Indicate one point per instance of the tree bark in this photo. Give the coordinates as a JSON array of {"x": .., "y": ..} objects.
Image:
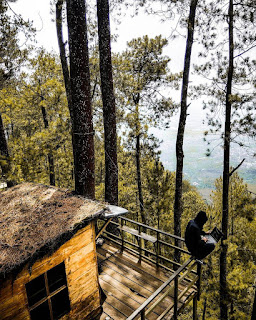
[
  {"x": 108, "y": 99},
  {"x": 141, "y": 202},
  {"x": 50, "y": 155},
  {"x": 63, "y": 59},
  {"x": 225, "y": 196},
  {"x": 136, "y": 100},
  {"x": 4, "y": 153},
  {"x": 83, "y": 133},
  {"x": 181, "y": 129}
]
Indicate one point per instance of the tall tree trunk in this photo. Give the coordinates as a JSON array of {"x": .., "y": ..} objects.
[
  {"x": 83, "y": 133},
  {"x": 108, "y": 99},
  {"x": 136, "y": 100},
  {"x": 4, "y": 153},
  {"x": 225, "y": 196},
  {"x": 50, "y": 155},
  {"x": 181, "y": 129},
  {"x": 141, "y": 202},
  {"x": 64, "y": 64},
  {"x": 63, "y": 59}
]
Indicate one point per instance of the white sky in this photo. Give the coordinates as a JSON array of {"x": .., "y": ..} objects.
[
  {"x": 129, "y": 28},
  {"x": 39, "y": 13}
]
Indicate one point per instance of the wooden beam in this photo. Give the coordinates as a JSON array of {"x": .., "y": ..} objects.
[
  {"x": 153, "y": 229},
  {"x": 195, "y": 308},
  {"x": 103, "y": 228}
]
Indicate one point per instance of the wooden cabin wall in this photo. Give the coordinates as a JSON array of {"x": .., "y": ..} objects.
[{"x": 79, "y": 255}]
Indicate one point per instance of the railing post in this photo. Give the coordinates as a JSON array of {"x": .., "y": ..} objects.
[
  {"x": 142, "y": 314},
  {"x": 122, "y": 234},
  {"x": 139, "y": 240},
  {"x": 157, "y": 249},
  {"x": 176, "y": 283},
  {"x": 195, "y": 307},
  {"x": 199, "y": 268}
]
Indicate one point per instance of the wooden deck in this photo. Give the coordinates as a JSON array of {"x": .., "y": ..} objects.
[{"x": 127, "y": 283}]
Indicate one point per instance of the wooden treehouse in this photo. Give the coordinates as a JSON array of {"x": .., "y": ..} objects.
[
  {"x": 53, "y": 265},
  {"x": 48, "y": 260}
]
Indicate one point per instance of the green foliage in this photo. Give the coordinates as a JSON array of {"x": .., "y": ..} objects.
[
  {"x": 28, "y": 139},
  {"x": 241, "y": 252},
  {"x": 141, "y": 77},
  {"x": 213, "y": 66},
  {"x": 13, "y": 56}
]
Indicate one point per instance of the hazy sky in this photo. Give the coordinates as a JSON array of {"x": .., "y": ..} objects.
[{"x": 129, "y": 28}]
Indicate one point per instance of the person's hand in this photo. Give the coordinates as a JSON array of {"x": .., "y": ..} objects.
[{"x": 205, "y": 239}]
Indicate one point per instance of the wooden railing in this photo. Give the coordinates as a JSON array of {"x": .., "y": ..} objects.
[
  {"x": 155, "y": 246},
  {"x": 171, "y": 286}
]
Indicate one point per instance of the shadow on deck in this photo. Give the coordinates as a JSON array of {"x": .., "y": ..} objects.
[{"x": 136, "y": 288}]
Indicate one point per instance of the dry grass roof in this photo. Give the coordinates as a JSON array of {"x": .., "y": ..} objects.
[{"x": 36, "y": 220}]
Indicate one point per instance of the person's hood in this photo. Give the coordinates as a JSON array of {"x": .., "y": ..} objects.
[{"x": 201, "y": 218}]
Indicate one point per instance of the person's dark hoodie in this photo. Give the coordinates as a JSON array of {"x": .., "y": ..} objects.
[{"x": 194, "y": 231}]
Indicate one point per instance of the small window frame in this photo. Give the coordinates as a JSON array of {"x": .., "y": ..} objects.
[{"x": 49, "y": 295}]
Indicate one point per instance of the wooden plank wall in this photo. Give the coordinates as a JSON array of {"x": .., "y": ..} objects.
[{"x": 79, "y": 255}]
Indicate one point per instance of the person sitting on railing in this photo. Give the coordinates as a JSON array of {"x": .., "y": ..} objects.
[{"x": 194, "y": 237}]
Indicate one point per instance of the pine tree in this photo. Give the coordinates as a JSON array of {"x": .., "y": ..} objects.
[
  {"x": 108, "y": 99},
  {"x": 83, "y": 133},
  {"x": 12, "y": 58},
  {"x": 181, "y": 128},
  {"x": 143, "y": 72}
]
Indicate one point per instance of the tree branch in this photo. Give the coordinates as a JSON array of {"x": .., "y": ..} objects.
[
  {"x": 240, "y": 54},
  {"x": 251, "y": 192},
  {"x": 230, "y": 174}
]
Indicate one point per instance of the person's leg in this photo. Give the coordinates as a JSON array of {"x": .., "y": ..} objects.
[{"x": 204, "y": 250}]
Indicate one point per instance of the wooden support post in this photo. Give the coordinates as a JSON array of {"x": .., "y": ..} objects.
[
  {"x": 176, "y": 283},
  {"x": 195, "y": 307},
  {"x": 157, "y": 250},
  {"x": 199, "y": 269},
  {"x": 142, "y": 315},
  {"x": 140, "y": 244},
  {"x": 103, "y": 228},
  {"x": 122, "y": 234}
]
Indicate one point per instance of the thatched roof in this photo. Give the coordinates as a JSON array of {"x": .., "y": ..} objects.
[{"x": 36, "y": 220}]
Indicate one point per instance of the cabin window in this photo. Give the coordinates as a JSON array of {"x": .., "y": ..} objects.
[{"x": 48, "y": 295}]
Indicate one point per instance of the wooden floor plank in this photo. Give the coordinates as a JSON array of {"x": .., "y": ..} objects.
[
  {"x": 144, "y": 265},
  {"x": 125, "y": 264},
  {"x": 128, "y": 283},
  {"x": 143, "y": 279},
  {"x": 137, "y": 285},
  {"x": 115, "y": 287},
  {"x": 139, "y": 290},
  {"x": 112, "y": 312},
  {"x": 148, "y": 282},
  {"x": 125, "y": 294},
  {"x": 129, "y": 288},
  {"x": 119, "y": 305},
  {"x": 153, "y": 279},
  {"x": 105, "y": 316},
  {"x": 141, "y": 283}
]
